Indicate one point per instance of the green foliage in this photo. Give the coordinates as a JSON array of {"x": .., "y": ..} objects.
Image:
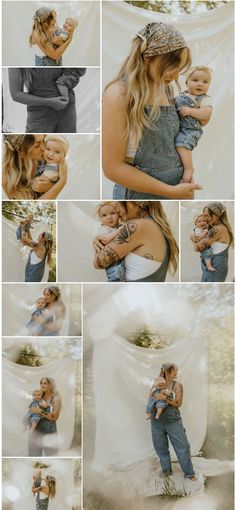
[
  {"x": 144, "y": 338},
  {"x": 40, "y": 465},
  {"x": 29, "y": 356},
  {"x": 180, "y": 6},
  {"x": 220, "y": 432},
  {"x": 15, "y": 210}
]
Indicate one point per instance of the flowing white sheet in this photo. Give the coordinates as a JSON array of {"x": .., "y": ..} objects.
[
  {"x": 123, "y": 437},
  {"x": 77, "y": 227},
  {"x": 87, "y": 100},
  {"x": 18, "y": 304},
  {"x": 20, "y": 382},
  {"x": 83, "y": 161},
  {"x": 210, "y": 38},
  {"x": 15, "y": 255},
  {"x": 18, "y": 486},
  {"x": 190, "y": 260},
  {"x": 18, "y": 23}
]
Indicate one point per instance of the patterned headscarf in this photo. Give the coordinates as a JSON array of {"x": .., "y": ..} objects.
[
  {"x": 143, "y": 204},
  {"x": 160, "y": 38},
  {"x": 54, "y": 290},
  {"x": 217, "y": 208},
  {"x": 42, "y": 14},
  {"x": 13, "y": 142},
  {"x": 166, "y": 366}
]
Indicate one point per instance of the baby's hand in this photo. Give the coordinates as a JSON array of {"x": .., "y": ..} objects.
[
  {"x": 185, "y": 111},
  {"x": 187, "y": 175}
]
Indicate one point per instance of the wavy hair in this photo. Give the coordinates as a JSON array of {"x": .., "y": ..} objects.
[
  {"x": 133, "y": 76},
  {"x": 51, "y": 382},
  {"x": 17, "y": 170},
  {"x": 40, "y": 30},
  {"x": 51, "y": 483},
  {"x": 224, "y": 220}
]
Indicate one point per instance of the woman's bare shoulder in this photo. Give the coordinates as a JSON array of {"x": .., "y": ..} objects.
[
  {"x": 115, "y": 93},
  {"x": 178, "y": 386}
]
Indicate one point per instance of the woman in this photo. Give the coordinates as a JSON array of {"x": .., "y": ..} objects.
[
  {"x": 50, "y": 97},
  {"x": 44, "y": 41},
  {"x": 22, "y": 154},
  {"x": 140, "y": 121},
  {"x": 170, "y": 426},
  {"x": 46, "y": 490},
  {"x": 41, "y": 252},
  {"x": 52, "y": 320},
  {"x": 220, "y": 239},
  {"x": 47, "y": 425},
  {"x": 146, "y": 242}
]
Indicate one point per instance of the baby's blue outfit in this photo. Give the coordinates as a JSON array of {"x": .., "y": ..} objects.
[
  {"x": 62, "y": 33},
  {"x": 30, "y": 416},
  {"x": 190, "y": 130},
  {"x": 49, "y": 168},
  {"x": 205, "y": 254},
  {"x": 35, "y": 328},
  {"x": 116, "y": 272},
  {"x": 153, "y": 403}
]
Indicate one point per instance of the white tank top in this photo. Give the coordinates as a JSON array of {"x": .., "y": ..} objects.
[
  {"x": 34, "y": 259},
  {"x": 37, "y": 51},
  {"x": 137, "y": 267},
  {"x": 41, "y": 494},
  {"x": 218, "y": 247}
]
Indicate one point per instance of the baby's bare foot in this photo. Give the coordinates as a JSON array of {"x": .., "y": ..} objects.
[{"x": 210, "y": 268}]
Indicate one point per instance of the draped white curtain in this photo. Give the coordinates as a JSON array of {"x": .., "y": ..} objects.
[
  {"x": 83, "y": 161},
  {"x": 20, "y": 382},
  {"x": 18, "y": 305},
  {"x": 77, "y": 227},
  {"x": 18, "y": 23},
  {"x": 87, "y": 96},
  {"x": 17, "y": 488},
  {"x": 210, "y": 38},
  {"x": 15, "y": 255},
  {"x": 190, "y": 260}
]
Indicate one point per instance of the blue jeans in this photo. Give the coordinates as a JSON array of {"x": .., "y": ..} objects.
[
  {"x": 47, "y": 120},
  {"x": 46, "y": 61},
  {"x": 163, "y": 429},
  {"x": 116, "y": 272},
  {"x": 220, "y": 264}
]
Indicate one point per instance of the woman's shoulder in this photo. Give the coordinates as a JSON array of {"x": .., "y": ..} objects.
[{"x": 115, "y": 93}]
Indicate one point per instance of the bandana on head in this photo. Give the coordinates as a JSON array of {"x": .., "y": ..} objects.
[
  {"x": 42, "y": 14},
  {"x": 160, "y": 38},
  {"x": 143, "y": 204},
  {"x": 217, "y": 208}
]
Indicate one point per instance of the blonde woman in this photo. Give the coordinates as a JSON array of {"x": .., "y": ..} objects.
[
  {"x": 140, "y": 121},
  {"x": 22, "y": 157},
  {"x": 47, "y": 46},
  {"x": 46, "y": 491},
  {"x": 145, "y": 242}
]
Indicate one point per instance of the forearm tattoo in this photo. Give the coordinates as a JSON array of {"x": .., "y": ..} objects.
[
  {"x": 106, "y": 257},
  {"x": 125, "y": 232},
  {"x": 203, "y": 245}
]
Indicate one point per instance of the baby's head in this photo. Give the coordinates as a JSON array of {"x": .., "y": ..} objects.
[
  {"x": 55, "y": 148},
  {"x": 161, "y": 382},
  {"x": 29, "y": 217},
  {"x": 70, "y": 24},
  {"x": 40, "y": 302},
  {"x": 201, "y": 221},
  {"x": 108, "y": 214},
  {"x": 37, "y": 394},
  {"x": 198, "y": 80}
]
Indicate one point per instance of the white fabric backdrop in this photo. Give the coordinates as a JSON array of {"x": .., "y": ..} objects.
[
  {"x": 190, "y": 260},
  {"x": 210, "y": 38},
  {"x": 20, "y": 382},
  {"x": 122, "y": 386},
  {"x": 18, "y": 304},
  {"x": 20, "y": 481},
  {"x": 18, "y": 23},
  {"x": 77, "y": 227},
  {"x": 83, "y": 161},
  {"x": 15, "y": 255},
  {"x": 87, "y": 100}
]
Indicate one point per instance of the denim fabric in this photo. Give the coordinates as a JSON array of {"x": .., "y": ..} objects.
[
  {"x": 41, "y": 504},
  {"x": 47, "y": 120},
  {"x": 46, "y": 61},
  {"x": 170, "y": 426},
  {"x": 34, "y": 272},
  {"x": 33, "y": 327},
  {"x": 160, "y": 274},
  {"x": 220, "y": 264},
  {"x": 190, "y": 130},
  {"x": 44, "y": 427},
  {"x": 116, "y": 272},
  {"x": 153, "y": 404},
  {"x": 206, "y": 254},
  {"x": 34, "y": 417},
  {"x": 156, "y": 155}
]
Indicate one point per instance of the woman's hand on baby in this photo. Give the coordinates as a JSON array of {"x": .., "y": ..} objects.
[
  {"x": 41, "y": 184},
  {"x": 58, "y": 103},
  {"x": 97, "y": 244},
  {"x": 185, "y": 190}
]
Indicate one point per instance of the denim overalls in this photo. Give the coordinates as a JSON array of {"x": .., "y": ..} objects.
[
  {"x": 44, "y": 119},
  {"x": 116, "y": 272},
  {"x": 220, "y": 264},
  {"x": 156, "y": 155},
  {"x": 35, "y": 328},
  {"x": 160, "y": 274},
  {"x": 41, "y": 504},
  {"x": 190, "y": 130},
  {"x": 46, "y": 61},
  {"x": 35, "y": 272},
  {"x": 170, "y": 426},
  {"x": 44, "y": 427}
]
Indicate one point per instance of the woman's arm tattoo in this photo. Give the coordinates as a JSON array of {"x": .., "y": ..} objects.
[
  {"x": 107, "y": 257},
  {"x": 124, "y": 235}
]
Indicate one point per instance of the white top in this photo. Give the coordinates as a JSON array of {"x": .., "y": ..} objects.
[
  {"x": 218, "y": 247},
  {"x": 34, "y": 259},
  {"x": 137, "y": 267},
  {"x": 206, "y": 100},
  {"x": 41, "y": 494},
  {"x": 104, "y": 229},
  {"x": 37, "y": 51},
  {"x": 131, "y": 147},
  {"x": 198, "y": 231}
]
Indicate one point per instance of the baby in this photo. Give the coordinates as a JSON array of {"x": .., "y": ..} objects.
[
  {"x": 24, "y": 228},
  {"x": 109, "y": 228},
  {"x": 37, "y": 480},
  {"x": 62, "y": 34},
  {"x": 194, "y": 108},
  {"x": 159, "y": 386},
  {"x": 55, "y": 149},
  {"x": 32, "y": 418},
  {"x": 33, "y": 327},
  {"x": 201, "y": 230}
]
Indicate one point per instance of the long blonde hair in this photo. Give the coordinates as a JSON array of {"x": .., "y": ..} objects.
[
  {"x": 17, "y": 170},
  {"x": 133, "y": 76},
  {"x": 51, "y": 483},
  {"x": 157, "y": 213},
  {"x": 40, "y": 30}
]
